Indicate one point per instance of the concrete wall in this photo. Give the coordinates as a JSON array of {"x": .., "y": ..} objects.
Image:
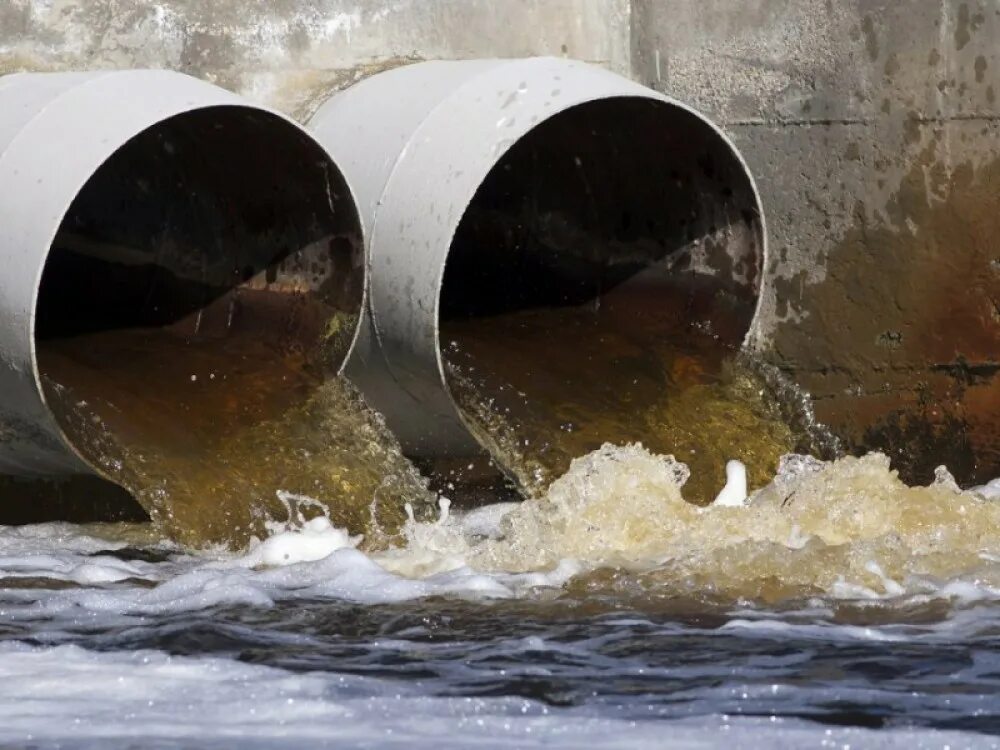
[
  {"x": 292, "y": 53},
  {"x": 872, "y": 128},
  {"x": 871, "y": 124}
]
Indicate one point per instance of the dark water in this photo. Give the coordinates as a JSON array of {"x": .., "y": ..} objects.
[
  {"x": 625, "y": 664},
  {"x": 204, "y": 651}
]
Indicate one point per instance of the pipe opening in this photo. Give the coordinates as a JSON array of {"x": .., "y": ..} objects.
[
  {"x": 607, "y": 264},
  {"x": 205, "y": 279}
]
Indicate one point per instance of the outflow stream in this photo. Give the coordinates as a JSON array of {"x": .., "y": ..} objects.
[
  {"x": 542, "y": 386},
  {"x": 841, "y": 607},
  {"x": 206, "y": 434}
]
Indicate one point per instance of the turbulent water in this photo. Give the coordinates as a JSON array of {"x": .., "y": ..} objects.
[
  {"x": 300, "y": 585},
  {"x": 205, "y": 434},
  {"x": 542, "y": 387},
  {"x": 839, "y": 608}
]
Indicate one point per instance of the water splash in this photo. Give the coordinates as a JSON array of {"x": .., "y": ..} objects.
[
  {"x": 615, "y": 531},
  {"x": 847, "y": 528},
  {"x": 206, "y": 441},
  {"x": 542, "y": 387}
]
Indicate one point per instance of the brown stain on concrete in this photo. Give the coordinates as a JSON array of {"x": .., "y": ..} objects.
[
  {"x": 901, "y": 343},
  {"x": 962, "y": 35},
  {"x": 980, "y": 68},
  {"x": 967, "y": 24},
  {"x": 871, "y": 38}
]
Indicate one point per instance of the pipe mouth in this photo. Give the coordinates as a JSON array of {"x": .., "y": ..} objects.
[
  {"x": 611, "y": 258},
  {"x": 207, "y": 277}
]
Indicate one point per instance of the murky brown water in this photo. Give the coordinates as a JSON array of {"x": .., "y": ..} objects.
[
  {"x": 204, "y": 433},
  {"x": 841, "y": 597},
  {"x": 541, "y": 387}
]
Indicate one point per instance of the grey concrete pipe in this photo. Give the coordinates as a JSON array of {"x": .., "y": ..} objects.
[
  {"x": 436, "y": 153},
  {"x": 143, "y": 200}
]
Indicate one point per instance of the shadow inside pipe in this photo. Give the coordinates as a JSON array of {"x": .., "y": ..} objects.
[
  {"x": 78, "y": 499},
  {"x": 597, "y": 289},
  {"x": 201, "y": 292},
  {"x": 619, "y": 200}
]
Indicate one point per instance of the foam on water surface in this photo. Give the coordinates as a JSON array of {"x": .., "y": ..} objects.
[
  {"x": 156, "y": 700},
  {"x": 584, "y": 617},
  {"x": 616, "y": 524}
]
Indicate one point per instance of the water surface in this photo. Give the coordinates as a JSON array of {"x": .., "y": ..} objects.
[{"x": 851, "y": 615}]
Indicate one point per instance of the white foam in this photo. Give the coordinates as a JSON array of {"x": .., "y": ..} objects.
[
  {"x": 104, "y": 570},
  {"x": 71, "y": 697},
  {"x": 315, "y": 540},
  {"x": 616, "y": 507},
  {"x": 62, "y": 552},
  {"x": 486, "y": 521},
  {"x": 784, "y": 630},
  {"x": 990, "y": 490},
  {"x": 734, "y": 494}
]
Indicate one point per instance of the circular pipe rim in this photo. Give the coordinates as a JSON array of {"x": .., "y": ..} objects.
[
  {"x": 187, "y": 94},
  {"x": 594, "y": 84}
]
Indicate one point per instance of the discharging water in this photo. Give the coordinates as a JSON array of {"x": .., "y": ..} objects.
[
  {"x": 615, "y": 607},
  {"x": 841, "y": 608},
  {"x": 541, "y": 387},
  {"x": 205, "y": 434},
  {"x": 299, "y": 584}
]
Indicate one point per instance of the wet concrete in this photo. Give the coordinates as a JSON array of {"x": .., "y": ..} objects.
[
  {"x": 292, "y": 53},
  {"x": 900, "y": 351},
  {"x": 872, "y": 129},
  {"x": 871, "y": 126}
]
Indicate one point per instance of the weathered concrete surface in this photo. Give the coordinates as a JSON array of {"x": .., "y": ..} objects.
[
  {"x": 292, "y": 53},
  {"x": 872, "y": 126}
]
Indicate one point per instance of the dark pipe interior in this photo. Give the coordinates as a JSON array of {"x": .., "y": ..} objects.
[
  {"x": 608, "y": 240},
  {"x": 216, "y": 202},
  {"x": 607, "y": 193},
  {"x": 222, "y": 241}
]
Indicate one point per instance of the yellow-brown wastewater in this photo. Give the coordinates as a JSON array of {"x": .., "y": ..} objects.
[
  {"x": 206, "y": 434},
  {"x": 841, "y": 530},
  {"x": 191, "y": 319},
  {"x": 192, "y": 316},
  {"x": 544, "y": 386},
  {"x": 599, "y": 287}
]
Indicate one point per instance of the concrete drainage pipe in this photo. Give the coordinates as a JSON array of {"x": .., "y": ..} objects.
[
  {"x": 149, "y": 221},
  {"x": 503, "y": 198}
]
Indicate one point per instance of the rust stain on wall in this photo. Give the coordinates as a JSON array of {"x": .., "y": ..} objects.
[{"x": 901, "y": 346}]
